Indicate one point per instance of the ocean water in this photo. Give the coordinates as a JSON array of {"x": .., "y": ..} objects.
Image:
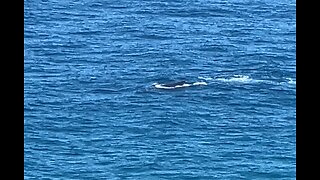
[{"x": 92, "y": 109}]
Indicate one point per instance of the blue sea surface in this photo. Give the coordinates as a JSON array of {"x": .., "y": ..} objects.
[{"x": 91, "y": 110}]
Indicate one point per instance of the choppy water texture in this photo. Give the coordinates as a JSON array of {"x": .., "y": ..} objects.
[{"x": 92, "y": 110}]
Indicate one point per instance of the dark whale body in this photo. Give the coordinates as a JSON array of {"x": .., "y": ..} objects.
[
  {"x": 180, "y": 83},
  {"x": 174, "y": 85}
]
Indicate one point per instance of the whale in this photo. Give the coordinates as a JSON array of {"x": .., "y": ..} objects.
[{"x": 179, "y": 84}]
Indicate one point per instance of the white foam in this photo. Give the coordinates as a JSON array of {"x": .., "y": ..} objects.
[
  {"x": 200, "y": 83},
  {"x": 160, "y": 86},
  {"x": 291, "y": 81},
  {"x": 183, "y": 85},
  {"x": 236, "y": 78},
  {"x": 205, "y": 78}
]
